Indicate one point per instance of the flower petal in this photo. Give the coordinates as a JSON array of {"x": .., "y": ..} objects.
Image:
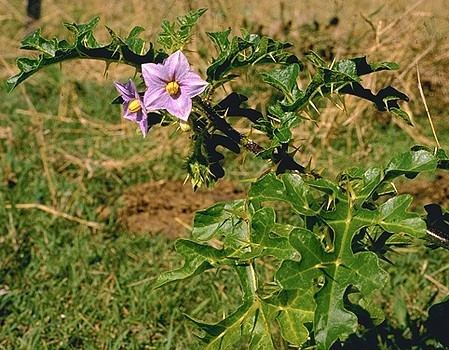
[
  {"x": 155, "y": 99},
  {"x": 180, "y": 106},
  {"x": 192, "y": 84},
  {"x": 127, "y": 114},
  {"x": 127, "y": 91},
  {"x": 143, "y": 124},
  {"x": 176, "y": 65},
  {"x": 155, "y": 75}
]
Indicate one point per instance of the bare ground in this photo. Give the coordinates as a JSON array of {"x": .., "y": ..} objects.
[
  {"x": 169, "y": 206},
  {"x": 429, "y": 191}
]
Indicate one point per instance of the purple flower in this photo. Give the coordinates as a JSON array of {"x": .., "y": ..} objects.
[
  {"x": 171, "y": 85},
  {"x": 133, "y": 105}
]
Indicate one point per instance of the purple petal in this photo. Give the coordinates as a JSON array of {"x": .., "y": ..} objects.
[
  {"x": 176, "y": 65},
  {"x": 192, "y": 84},
  {"x": 127, "y": 91},
  {"x": 127, "y": 114},
  {"x": 180, "y": 107},
  {"x": 143, "y": 124},
  {"x": 155, "y": 75},
  {"x": 155, "y": 99}
]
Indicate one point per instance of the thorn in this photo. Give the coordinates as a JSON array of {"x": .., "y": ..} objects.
[
  {"x": 314, "y": 107},
  {"x": 394, "y": 187},
  {"x": 333, "y": 62},
  {"x": 106, "y": 68},
  {"x": 295, "y": 150},
  {"x": 309, "y": 165},
  {"x": 320, "y": 91}
]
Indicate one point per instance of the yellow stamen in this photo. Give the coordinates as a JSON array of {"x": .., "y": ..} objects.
[
  {"x": 172, "y": 88},
  {"x": 134, "y": 106}
]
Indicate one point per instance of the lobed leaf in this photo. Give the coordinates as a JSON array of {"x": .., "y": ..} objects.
[
  {"x": 289, "y": 188},
  {"x": 131, "y": 51},
  {"x": 244, "y": 51},
  {"x": 344, "y": 76},
  {"x": 218, "y": 220},
  {"x": 197, "y": 259},
  {"x": 250, "y": 326},
  {"x": 175, "y": 35}
]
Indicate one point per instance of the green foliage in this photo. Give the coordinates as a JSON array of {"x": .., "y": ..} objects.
[
  {"x": 343, "y": 77},
  {"x": 250, "y": 49},
  {"x": 131, "y": 50},
  {"x": 175, "y": 35},
  {"x": 322, "y": 267},
  {"x": 326, "y": 261}
]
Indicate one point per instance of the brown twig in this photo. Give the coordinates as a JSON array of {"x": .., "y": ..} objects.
[{"x": 55, "y": 212}]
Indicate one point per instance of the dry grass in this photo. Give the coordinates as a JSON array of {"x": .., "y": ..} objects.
[
  {"x": 85, "y": 154},
  {"x": 407, "y": 32}
]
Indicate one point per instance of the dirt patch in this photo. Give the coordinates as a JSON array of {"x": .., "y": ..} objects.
[
  {"x": 428, "y": 191},
  {"x": 169, "y": 206}
]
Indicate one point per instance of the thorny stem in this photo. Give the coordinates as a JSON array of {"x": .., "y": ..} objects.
[{"x": 221, "y": 124}]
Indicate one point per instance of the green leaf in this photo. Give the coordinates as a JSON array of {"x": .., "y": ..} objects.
[
  {"x": 336, "y": 263},
  {"x": 282, "y": 135},
  {"x": 292, "y": 309},
  {"x": 243, "y": 51},
  {"x": 344, "y": 76},
  {"x": 175, "y": 35},
  {"x": 359, "y": 65},
  {"x": 290, "y": 188},
  {"x": 217, "y": 220},
  {"x": 394, "y": 217},
  {"x": 398, "y": 112},
  {"x": 129, "y": 51},
  {"x": 284, "y": 79},
  {"x": 264, "y": 240},
  {"x": 197, "y": 258},
  {"x": 250, "y": 326},
  {"x": 35, "y": 41},
  {"x": 246, "y": 328},
  {"x": 339, "y": 267},
  {"x": 282, "y": 125},
  {"x": 361, "y": 183},
  {"x": 411, "y": 163},
  {"x": 136, "y": 44},
  {"x": 220, "y": 39}
]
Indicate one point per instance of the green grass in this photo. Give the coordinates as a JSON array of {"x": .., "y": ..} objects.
[
  {"x": 66, "y": 286},
  {"x": 71, "y": 289}
]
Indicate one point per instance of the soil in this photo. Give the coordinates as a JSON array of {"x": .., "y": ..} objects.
[
  {"x": 428, "y": 191},
  {"x": 169, "y": 206}
]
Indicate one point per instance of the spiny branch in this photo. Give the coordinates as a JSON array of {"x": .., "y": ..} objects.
[{"x": 284, "y": 160}]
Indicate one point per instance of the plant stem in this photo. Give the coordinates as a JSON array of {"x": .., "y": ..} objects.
[
  {"x": 222, "y": 125},
  {"x": 282, "y": 157}
]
